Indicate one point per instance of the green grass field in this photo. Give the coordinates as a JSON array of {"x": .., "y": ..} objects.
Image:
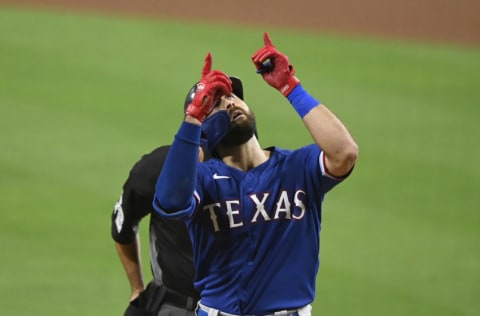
[{"x": 82, "y": 97}]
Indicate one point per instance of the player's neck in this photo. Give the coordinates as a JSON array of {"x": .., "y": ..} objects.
[{"x": 246, "y": 156}]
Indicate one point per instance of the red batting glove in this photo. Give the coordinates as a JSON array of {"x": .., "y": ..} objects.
[
  {"x": 211, "y": 87},
  {"x": 275, "y": 67}
]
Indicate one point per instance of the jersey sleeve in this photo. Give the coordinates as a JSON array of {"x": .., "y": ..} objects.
[
  {"x": 315, "y": 157},
  {"x": 127, "y": 213},
  {"x": 194, "y": 200},
  {"x": 135, "y": 202},
  {"x": 176, "y": 183}
]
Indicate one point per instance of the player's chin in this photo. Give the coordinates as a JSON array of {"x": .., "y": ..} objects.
[
  {"x": 239, "y": 121},
  {"x": 238, "y": 134},
  {"x": 241, "y": 126}
]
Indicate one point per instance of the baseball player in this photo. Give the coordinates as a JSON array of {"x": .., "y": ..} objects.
[
  {"x": 171, "y": 292},
  {"x": 253, "y": 214}
]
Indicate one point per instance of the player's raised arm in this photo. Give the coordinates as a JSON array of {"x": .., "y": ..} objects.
[
  {"x": 329, "y": 133},
  {"x": 177, "y": 180}
]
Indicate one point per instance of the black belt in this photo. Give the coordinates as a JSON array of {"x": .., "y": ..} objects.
[{"x": 180, "y": 300}]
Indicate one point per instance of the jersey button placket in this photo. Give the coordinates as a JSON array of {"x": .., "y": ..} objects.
[
  {"x": 248, "y": 187},
  {"x": 250, "y": 182}
]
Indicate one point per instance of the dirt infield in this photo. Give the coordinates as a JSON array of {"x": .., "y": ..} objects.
[{"x": 456, "y": 21}]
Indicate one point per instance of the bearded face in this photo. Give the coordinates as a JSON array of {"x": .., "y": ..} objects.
[{"x": 242, "y": 127}]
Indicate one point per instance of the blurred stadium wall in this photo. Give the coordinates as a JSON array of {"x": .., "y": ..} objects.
[{"x": 456, "y": 21}]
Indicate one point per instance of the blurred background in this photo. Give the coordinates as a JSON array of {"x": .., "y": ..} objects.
[{"x": 88, "y": 87}]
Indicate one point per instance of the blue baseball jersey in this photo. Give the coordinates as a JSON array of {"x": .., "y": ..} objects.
[{"x": 256, "y": 234}]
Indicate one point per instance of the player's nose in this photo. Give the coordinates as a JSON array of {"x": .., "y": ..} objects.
[{"x": 229, "y": 105}]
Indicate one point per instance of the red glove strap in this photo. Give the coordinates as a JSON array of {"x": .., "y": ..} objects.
[
  {"x": 289, "y": 86},
  {"x": 196, "y": 112}
]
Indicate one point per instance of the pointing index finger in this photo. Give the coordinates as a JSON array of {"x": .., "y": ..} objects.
[
  {"x": 266, "y": 40},
  {"x": 207, "y": 67}
]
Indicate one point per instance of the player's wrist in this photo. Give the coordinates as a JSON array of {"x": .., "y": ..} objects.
[
  {"x": 189, "y": 132},
  {"x": 192, "y": 120},
  {"x": 196, "y": 111},
  {"x": 288, "y": 87},
  {"x": 301, "y": 100}
]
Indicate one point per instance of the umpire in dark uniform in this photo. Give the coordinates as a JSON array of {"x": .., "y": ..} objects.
[{"x": 171, "y": 291}]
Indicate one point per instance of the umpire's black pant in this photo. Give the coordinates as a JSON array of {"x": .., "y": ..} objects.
[{"x": 158, "y": 300}]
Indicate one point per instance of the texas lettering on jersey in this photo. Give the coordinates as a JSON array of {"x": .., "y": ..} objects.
[{"x": 286, "y": 207}]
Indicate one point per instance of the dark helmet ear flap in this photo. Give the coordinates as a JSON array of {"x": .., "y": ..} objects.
[{"x": 214, "y": 129}]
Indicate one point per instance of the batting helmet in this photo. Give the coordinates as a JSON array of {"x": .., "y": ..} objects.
[
  {"x": 237, "y": 89},
  {"x": 217, "y": 126}
]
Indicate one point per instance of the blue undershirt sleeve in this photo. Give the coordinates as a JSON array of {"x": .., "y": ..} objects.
[
  {"x": 177, "y": 180},
  {"x": 302, "y": 101}
]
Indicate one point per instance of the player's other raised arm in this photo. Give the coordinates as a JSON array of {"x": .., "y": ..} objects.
[
  {"x": 329, "y": 133},
  {"x": 177, "y": 180}
]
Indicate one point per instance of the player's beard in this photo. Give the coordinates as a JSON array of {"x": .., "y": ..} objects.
[{"x": 240, "y": 132}]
